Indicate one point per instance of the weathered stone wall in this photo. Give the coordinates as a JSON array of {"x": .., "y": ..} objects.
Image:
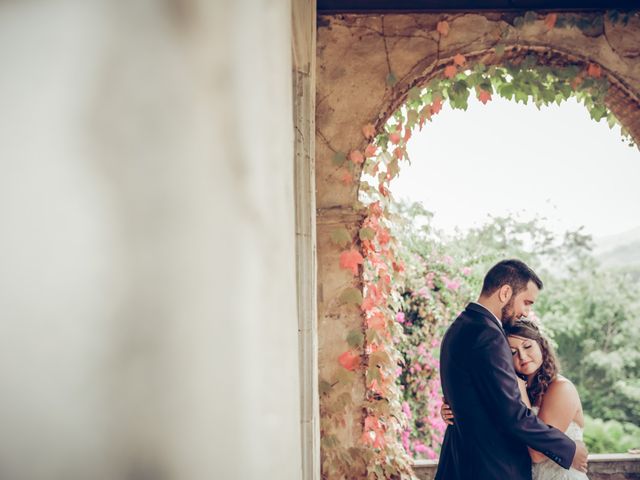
[
  {"x": 355, "y": 55},
  {"x": 601, "y": 467}
]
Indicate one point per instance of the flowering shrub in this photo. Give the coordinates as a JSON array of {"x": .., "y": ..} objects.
[{"x": 439, "y": 291}]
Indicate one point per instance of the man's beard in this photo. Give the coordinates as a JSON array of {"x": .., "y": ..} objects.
[{"x": 508, "y": 313}]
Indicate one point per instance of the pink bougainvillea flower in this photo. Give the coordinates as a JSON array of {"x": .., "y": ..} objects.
[
  {"x": 368, "y": 131},
  {"x": 484, "y": 96},
  {"x": 459, "y": 59},
  {"x": 450, "y": 71},
  {"x": 356, "y": 157},
  {"x": 466, "y": 271},
  {"x": 400, "y": 317},
  {"x": 447, "y": 259},
  {"x": 423, "y": 292},
  {"x": 350, "y": 259},
  {"x": 429, "y": 280},
  {"x": 452, "y": 285},
  {"x": 407, "y": 410},
  {"x": 349, "y": 360}
]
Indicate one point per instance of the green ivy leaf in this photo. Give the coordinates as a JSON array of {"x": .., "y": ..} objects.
[
  {"x": 355, "y": 338},
  {"x": 339, "y": 158},
  {"x": 518, "y": 22},
  {"x": 414, "y": 94},
  {"x": 367, "y": 233},
  {"x": 351, "y": 296},
  {"x": 530, "y": 17},
  {"x": 323, "y": 387},
  {"x": 341, "y": 236}
]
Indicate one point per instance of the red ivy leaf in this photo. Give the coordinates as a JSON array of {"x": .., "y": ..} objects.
[
  {"x": 550, "y": 20},
  {"x": 594, "y": 70},
  {"x": 350, "y": 259},
  {"x": 443, "y": 28},
  {"x": 349, "y": 360},
  {"x": 395, "y": 138},
  {"x": 450, "y": 71},
  {"x": 484, "y": 96},
  {"x": 436, "y": 106},
  {"x": 368, "y": 131},
  {"x": 356, "y": 157},
  {"x": 370, "y": 151},
  {"x": 459, "y": 59}
]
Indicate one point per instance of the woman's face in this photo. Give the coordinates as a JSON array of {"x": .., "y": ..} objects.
[{"x": 527, "y": 355}]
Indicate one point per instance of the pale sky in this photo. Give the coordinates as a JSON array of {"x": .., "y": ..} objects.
[{"x": 506, "y": 157}]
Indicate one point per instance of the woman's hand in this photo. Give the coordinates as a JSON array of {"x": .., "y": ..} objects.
[
  {"x": 522, "y": 385},
  {"x": 446, "y": 413}
]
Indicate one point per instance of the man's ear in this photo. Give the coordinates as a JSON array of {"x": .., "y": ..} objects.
[{"x": 505, "y": 292}]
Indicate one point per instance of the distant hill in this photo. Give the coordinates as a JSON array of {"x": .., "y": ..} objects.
[{"x": 619, "y": 251}]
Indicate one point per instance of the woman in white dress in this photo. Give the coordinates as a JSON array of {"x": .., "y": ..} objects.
[{"x": 549, "y": 395}]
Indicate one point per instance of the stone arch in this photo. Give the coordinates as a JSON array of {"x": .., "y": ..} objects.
[{"x": 355, "y": 54}]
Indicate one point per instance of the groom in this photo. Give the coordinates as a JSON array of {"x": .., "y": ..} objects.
[{"x": 492, "y": 428}]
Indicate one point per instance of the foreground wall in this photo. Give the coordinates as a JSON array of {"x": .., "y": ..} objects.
[{"x": 148, "y": 324}]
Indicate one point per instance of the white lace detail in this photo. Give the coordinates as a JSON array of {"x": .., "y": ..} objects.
[{"x": 549, "y": 470}]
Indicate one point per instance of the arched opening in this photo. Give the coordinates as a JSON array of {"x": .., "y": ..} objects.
[{"x": 355, "y": 408}]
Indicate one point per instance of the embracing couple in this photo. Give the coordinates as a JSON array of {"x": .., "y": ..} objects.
[{"x": 505, "y": 403}]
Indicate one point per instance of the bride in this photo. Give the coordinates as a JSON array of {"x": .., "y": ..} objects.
[{"x": 547, "y": 393}]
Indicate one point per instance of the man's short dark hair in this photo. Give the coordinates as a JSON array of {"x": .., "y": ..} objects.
[{"x": 514, "y": 273}]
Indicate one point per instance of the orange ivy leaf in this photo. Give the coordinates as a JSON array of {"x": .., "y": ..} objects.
[
  {"x": 356, "y": 157},
  {"x": 377, "y": 322},
  {"x": 594, "y": 70},
  {"x": 347, "y": 178},
  {"x": 398, "y": 153},
  {"x": 407, "y": 135},
  {"x": 450, "y": 71},
  {"x": 459, "y": 59},
  {"x": 484, "y": 96},
  {"x": 349, "y": 360},
  {"x": 395, "y": 138},
  {"x": 350, "y": 259},
  {"x": 368, "y": 131},
  {"x": 370, "y": 151},
  {"x": 443, "y": 28},
  {"x": 575, "y": 83},
  {"x": 550, "y": 20},
  {"x": 436, "y": 106}
]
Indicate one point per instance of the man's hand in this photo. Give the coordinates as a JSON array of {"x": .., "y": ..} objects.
[{"x": 580, "y": 457}]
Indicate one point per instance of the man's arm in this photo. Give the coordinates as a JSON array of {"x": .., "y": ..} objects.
[{"x": 494, "y": 378}]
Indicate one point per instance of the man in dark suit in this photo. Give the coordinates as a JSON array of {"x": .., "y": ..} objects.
[{"x": 492, "y": 428}]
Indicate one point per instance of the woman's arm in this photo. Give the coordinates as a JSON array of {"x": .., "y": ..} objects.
[{"x": 559, "y": 407}]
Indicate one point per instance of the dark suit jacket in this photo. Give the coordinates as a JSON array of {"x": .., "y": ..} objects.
[{"x": 492, "y": 427}]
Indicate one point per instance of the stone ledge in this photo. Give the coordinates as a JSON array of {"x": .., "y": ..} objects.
[{"x": 602, "y": 466}]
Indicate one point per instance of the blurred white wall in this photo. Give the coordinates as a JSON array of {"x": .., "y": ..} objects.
[{"x": 147, "y": 260}]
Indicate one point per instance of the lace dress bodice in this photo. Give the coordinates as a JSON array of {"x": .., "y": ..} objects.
[{"x": 549, "y": 470}]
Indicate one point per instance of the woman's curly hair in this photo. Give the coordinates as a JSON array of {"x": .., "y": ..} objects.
[{"x": 550, "y": 367}]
